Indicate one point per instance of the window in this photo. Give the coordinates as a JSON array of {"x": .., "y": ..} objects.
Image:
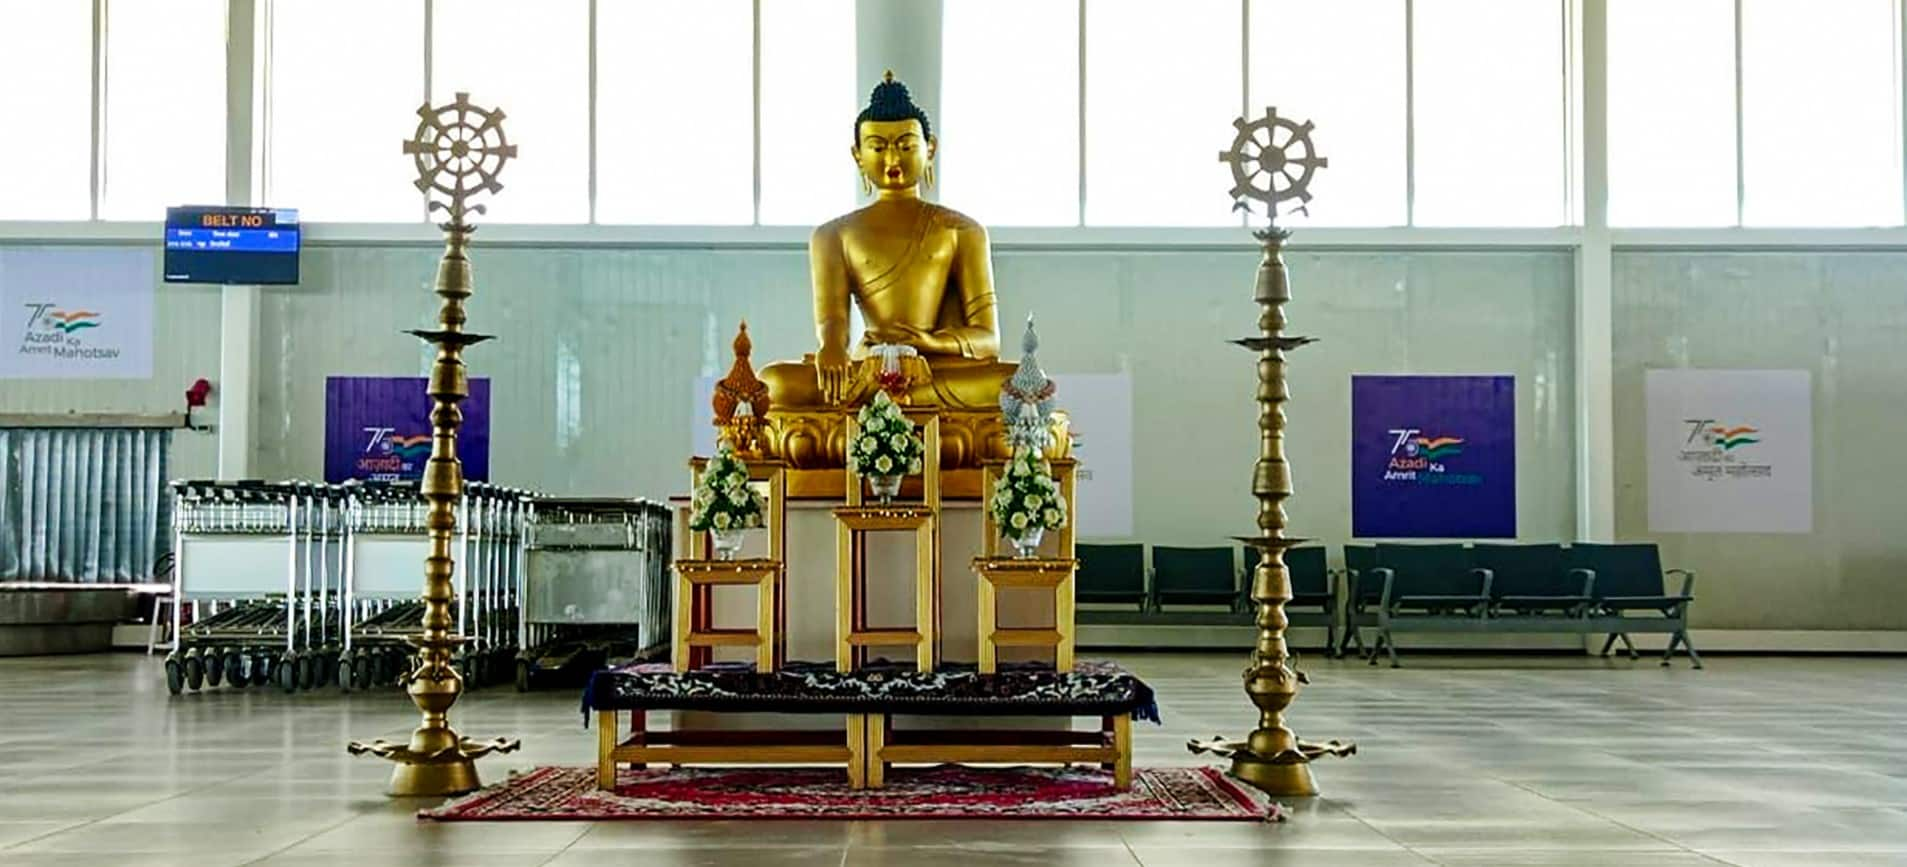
[
  {"x": 1161, "y": 82},
  {"x": 1820, "y": 113},
  {"x": 346, "y": 80},
  {"x": 808, "y": 103},
  {"x": 683, "y": 152},
  {"x": 45, "y": 89},
  {"x": 1009, "y": 126},
  {"x": 1672, "y": 113},
  {"x": 532, "y": 61},
  {"x": 165, "y": 107},
  {"x": 1489, "y": 113},
  {"x": 1341, "y": 66}
]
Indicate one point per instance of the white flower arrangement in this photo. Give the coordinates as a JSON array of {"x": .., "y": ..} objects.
[
  {"x": 1026, "y": 496},
  {"x": 723, "y": 500},
  {"x": 884, "y": 440}
]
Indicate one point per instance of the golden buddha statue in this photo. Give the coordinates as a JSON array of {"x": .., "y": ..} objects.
[{"x": 922, "y": 276}]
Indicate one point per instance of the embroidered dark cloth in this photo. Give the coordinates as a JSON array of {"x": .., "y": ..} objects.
[{"x": 1027, "y": 689}]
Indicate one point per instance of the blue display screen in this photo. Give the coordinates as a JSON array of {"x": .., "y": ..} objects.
[{"x": 232, "y": 245}]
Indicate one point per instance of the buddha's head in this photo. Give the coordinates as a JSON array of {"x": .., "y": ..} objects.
[{"x": 893, "y": 140}]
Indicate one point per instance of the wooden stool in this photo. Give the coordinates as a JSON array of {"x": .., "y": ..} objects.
[
  {"x": 695, "y": 632},
  {"x": 1040, "y": 573},
  {"x": 853, "y": 522},
  {"x": 694, "y": 597},
  {"x": 1110, "y": 747},
  {"x": 1052, "y": 575},
  {"x": 852, "y": 637}
]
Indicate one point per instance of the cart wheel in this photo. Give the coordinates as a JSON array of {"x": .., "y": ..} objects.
[
  {"x": 175, "y": 676},
  {"x": 522, "y": 675},
  {"x": 341, "y": 674},
  {"x": 214, "y": 669},
  {"x": 262, "y": 665},
  {"x": 285, "y": 672},
  {"x": 194, "y": 672},
  {"x": 474, "y": 670},
  {"x": 307, "y": 671},
  {"x": 235, "y": 670},
  {"x": 364, "y": 670}
]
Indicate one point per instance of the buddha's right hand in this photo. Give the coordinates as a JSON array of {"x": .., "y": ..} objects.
[{"x": 831, "y": 373}]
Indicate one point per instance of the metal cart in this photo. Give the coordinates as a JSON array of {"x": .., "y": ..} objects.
[
  {"x": 385, "y": 551},
  {"x": 595, "y": 586},
  {"x": 256, "y": 565}
]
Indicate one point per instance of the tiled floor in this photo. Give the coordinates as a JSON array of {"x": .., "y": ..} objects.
[{"x": 1546, "y": 760}]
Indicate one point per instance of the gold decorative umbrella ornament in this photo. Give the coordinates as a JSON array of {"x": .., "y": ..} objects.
[
  {"x": 459, "y": 149},
  {"x": 1273, "y": 161}
]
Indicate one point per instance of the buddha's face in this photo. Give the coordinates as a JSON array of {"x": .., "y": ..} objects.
[{"x": 892, "y": 153}]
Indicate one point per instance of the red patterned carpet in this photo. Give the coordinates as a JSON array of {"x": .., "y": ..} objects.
[{"x": 944, "y": 792}]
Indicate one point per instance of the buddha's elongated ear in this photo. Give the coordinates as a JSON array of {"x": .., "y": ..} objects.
[{"x": 933, "y": 144}]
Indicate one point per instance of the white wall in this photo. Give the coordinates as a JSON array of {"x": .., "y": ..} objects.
[
  {"x": 1843, "y": 317},
  {"x": 185, "y": 348},
  {"x": 623, "y": 333}
]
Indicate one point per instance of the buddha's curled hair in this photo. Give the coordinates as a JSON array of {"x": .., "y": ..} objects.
[{"x": 891, "y": 101}]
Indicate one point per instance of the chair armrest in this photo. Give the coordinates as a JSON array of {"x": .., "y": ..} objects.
[
  {"x": 1688, "y": 581},
  {"x": 1489, "y": 578},
  {"x": 1589, "y": 581},
  {"x": 1390, "y": 576}
]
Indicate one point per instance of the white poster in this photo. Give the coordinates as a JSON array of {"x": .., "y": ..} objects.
[
  {"x": 76, "y": 313},
  {"x": 1100, "y": 408},
  {"x": 1730, "y": 451}
]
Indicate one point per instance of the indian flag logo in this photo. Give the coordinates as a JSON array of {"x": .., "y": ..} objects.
[
  {"x": 71, "y": 321},
  {"x": 1728, "y": 438},
  {"x": 1438, "y": 448},
  {"x": 411, "y": 447}
]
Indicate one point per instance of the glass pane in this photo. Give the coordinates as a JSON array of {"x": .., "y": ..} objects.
[
  {"x": 335, "y": 128},
  {"x": 1490, "y": 133},
  {"x": 808, "y": 102},
  {"x": 165, "y": 107},
  {"x": 532, "y": 61},
  {"x": 1672, "y": 113},
  {"x": 1162, "y": 82},
  {"x": 674, "y": 113},
  {"x": 1341, "y": 66},
  {"x": 1009, "y": 141},
  {"x": 46, "y": 85},
  {"x": 1820, "y": 113}
]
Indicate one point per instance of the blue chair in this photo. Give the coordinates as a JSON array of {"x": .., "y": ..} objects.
[
  {"x": 1629, "y": 579},
  {"x": 1112, "y": 574},
  {"x": 1194, "y": 576}
]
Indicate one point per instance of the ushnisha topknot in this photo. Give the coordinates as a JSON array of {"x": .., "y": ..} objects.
[{"x": 891, "y": 101}]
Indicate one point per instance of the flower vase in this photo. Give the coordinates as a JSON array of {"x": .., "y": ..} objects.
[
  {"x": 1027, "y": 544},
  {"x": 884, "y": 487},
  {"x": 728, "y": 543}
]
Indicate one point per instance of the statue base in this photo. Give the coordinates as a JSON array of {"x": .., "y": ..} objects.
[{"x": 813, "y": 443}]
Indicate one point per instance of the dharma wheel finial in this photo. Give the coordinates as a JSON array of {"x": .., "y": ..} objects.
[
  {"x": 1272, "y": 160},
  {"x": 459, "y": 149},
  {"x": 888, "y": 77}
]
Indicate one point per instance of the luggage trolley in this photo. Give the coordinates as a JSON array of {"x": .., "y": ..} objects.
[
  {"x": 253, "y": 562},
  {"x": 384, "y": 551},
  {"x": 386, "y": 544},
  {"x": 492, "y": 518},
  {"x": 595, "y": 585}
]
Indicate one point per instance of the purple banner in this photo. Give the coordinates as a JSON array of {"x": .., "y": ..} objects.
[
  {"x": 377, "y": 428},
  {"x": 1433, "y": 457}
]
